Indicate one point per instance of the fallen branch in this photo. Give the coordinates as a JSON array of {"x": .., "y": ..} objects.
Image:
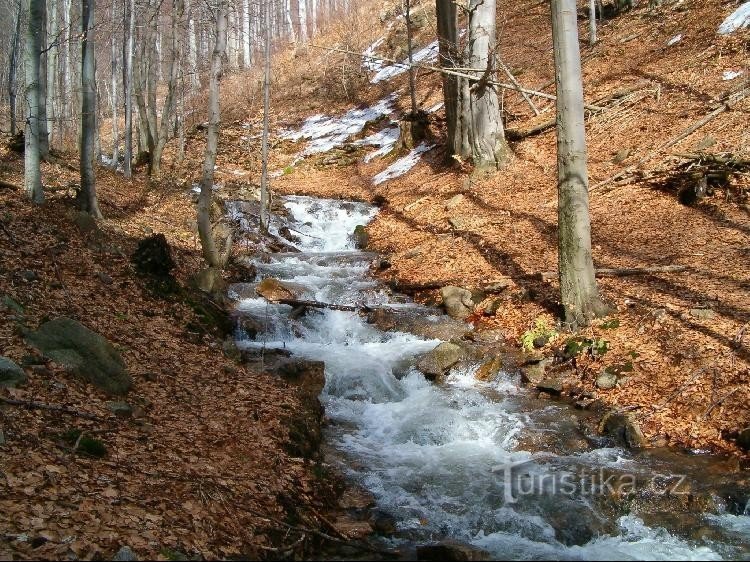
[
  {"x": 30, "y": 405},
  {"x": 326, "y": 305},
  {"x": 6, "y": 185},
  {"x": 624, "y": 272},
  {"x": 518, "y": 87},
  {"x": 725, "y": 106}
]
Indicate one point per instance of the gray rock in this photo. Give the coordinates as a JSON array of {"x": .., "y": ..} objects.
[
  {"x": 83, "y": 352},
  {"x": 623, "y": 429},
  {"x": 11, "y": 375},
  {"x": 120, "y": 409},
  {"x": 360, "y": 237},
  {"x": 434, "y": 364},
  {"x": 743, "y": 439},
  {"x": 449, "y": 551},
  {"x": 550, "y": 385},
  {"x": 458, "y": 302},
  {"x": 535, "y": 372},
  {"x": 125, "y": 554},
  {"x": 606, "y": 379}
]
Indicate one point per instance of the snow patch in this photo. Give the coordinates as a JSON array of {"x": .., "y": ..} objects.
[
  {"x": 428, "y": 54},
  {"x": 325, "y": 133},
  {"x": 674, "y": 40},
  {"x": 384, "y": 140},
  {"x": 738, "y": 19},
  {"x": 731, "y": 74},
  {"x": 368, "y": 61},
  {"x": 402, "y": 165}
]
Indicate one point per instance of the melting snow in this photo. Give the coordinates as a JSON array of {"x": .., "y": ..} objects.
[
  {"x": 429, "y": 53},
  {"x": 731, "y": 74},
  {"x": 737, "y": 20},
  {"x": 402, "y": 165},
  {"x": 385, "y": 140},
  {"x": 674, "y": 40},
  {"x": 370, "y": 63},
  {"x": 325, "y": 133}
]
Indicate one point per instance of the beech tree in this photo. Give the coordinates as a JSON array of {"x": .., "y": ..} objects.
[
  {"x": 264, "y": 192},
  {"x": 215, "y": 256},
  {"x": 87, "y": 195},
  {"x": 32, "y": 61},
  {"x": 578, "y": 288},
  {"x": 13, "y": 69}
]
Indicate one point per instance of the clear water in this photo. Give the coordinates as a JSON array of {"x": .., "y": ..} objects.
[{"x": 437, "y": 457}]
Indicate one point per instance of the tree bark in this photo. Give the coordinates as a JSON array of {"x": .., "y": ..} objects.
[
  {"x": 211, "y": 253},
  {"x": 264, "y": 190},
  {"x": 87, "y": 195},
  {"x": 409, "y": 48},
  {"x": 488, "y": 147},
  {"x": 52, "y": 70},
  {"x": 579, "y": 291},
  {"x": 33, "y": 49},
  {"x": 592, "y": 22},
  {"x": 13, "y": 70},
  {"x": 129, "y": 30},
  {"x": 43, "y": 123},
  {"x": 114, "y": 100}
]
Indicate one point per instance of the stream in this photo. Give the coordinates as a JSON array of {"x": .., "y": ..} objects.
[{"x": 485, "y": 463}]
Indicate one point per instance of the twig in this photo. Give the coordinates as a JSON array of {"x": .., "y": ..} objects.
[
  {"x": 513, "y": 81},
  {"x": 30, "y": 405}
]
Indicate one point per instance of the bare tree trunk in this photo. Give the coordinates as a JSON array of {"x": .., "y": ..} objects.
[
  {"x": 264, "y": 191},
  {"x": 409, "y": 47},
  {"x": 87, "y": 195},
  {"x": 69, "y": 98},
  {"x": 193, "y": 34},
  {"x": 455, "y": 89},
  {"x": 489, "y": 149},
  {"x": 592, "y": 22},
  {"x": 215, "y": 258},
  {"x": 13, "y": 71},
  {"x": 113, "y": 95},
  {"x": 43, "y": 123},
  {"x": 579, "y": 291},
  {"x": 129, "y": 30},
  {"x": 52, "y": 70},
  {"x": 32, "y": 156},
  {"x": 169, "y": 100}
]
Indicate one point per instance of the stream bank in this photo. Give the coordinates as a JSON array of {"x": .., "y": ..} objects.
[{"x": 485, "y": 463}]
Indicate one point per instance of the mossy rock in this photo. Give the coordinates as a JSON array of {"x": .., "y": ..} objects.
[
  {"x": 11, "y": 375},
  {"x": 83, "y": 352}
]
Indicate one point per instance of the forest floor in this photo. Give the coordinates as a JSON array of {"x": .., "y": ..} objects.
[
  {"x": 201, "y": 467},
  {"x": 682, "y": 337}
]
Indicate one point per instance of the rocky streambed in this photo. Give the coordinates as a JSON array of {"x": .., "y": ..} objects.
[{"x": 433, "y": 421}]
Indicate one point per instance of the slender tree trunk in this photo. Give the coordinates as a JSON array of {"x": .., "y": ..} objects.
[
  {"x": 211, "y": 253},
  {"x": 32, "y": 156},
  {"x": 113, "y": 95},
  {"x": 264, "y": 190},
  {"x": 87, "y": 195},
  {"x": 592, "y": 22},
  {"x": 169, "y": 100},
  {"x": 129, "y": 30},
  {"x": 193, "y": 37},
  {"x": 409, "y": 47},
  {"x": 43, "y": 123},
  {"x": 13, "y": 71},
  {"x": 52, "y": 68},
  {"x": 489, "y": 149},
  {"x": 67, "y": 80},
  {"x": 580, "y": 295}
]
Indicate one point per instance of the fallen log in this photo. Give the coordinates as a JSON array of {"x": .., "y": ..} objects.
[
  {"x": 6, "y": 185},
  {"x": 30, "y": 405},
  {"x": 624, "y": 272},
  {"x": 326, "y": 305}
]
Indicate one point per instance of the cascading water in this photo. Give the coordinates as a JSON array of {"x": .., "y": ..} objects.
[{"x": 448, "y": 461}]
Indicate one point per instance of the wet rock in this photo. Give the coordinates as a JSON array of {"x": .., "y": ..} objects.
[
  {"x": 430, "y": 327},
  {"x": 623, "y": 429},
  {"x": 434, "y": 364},
  {"x": 153, "y": 256},
  {"x": 356, "y": 498},
  {"x": 275, "y": 290},
  {"x": 606, "y": 379},
  {"x": 449, "y": 551},
  {"x": 535, "y": 372},
  {"x": 249, "y": 326},
  {"x": 489, "y": 369},
  {"x": 120, "y": 409},
  {"x": 550, "y": 385},
  {"x": 352, "y": 528},
  {"x": 743, "y": 439},
  {"x": 287, "y": 234},
  {"x": 304, "y": 374},
  {"x": 458, "y": 302},
  {"x": 11, "y": 375},
  {"x": 83, "y": 352},
  {"x": 383, "y": 523},
  {"x": 360, "y": 237}
]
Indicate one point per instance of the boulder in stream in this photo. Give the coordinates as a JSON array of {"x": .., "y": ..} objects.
[
  {"x": 360, "y": 237},
  {"x": 449, "y": 551},
  {"x": 623, "y": 429},
  {"x": 275, "y": 290},
  {"x": 434, "y": 364}
]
